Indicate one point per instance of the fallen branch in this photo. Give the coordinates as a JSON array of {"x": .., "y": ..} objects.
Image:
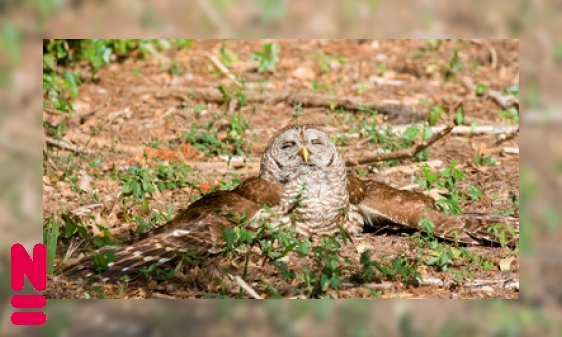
[
  {"x": 224, "y": 70},
  {"x": 402, "y": 154},
  {"x": 507, "y": 136},
  {"x": 247, "y": 287},
  {"x": 308, "y": 99},
  {"x": 161, "y": 296},
  {"x": 505, "y": 283},
  {"x": 66, "y": 146},
  {"x": 511, "y": 150},
  {"x": 465, "y": 129},
  {"x": 504, "y": 101}
]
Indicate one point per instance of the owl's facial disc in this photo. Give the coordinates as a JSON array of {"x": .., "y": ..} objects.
[
  {"x": 297, "y": 151},
  {"x": 303, "y": 147}
]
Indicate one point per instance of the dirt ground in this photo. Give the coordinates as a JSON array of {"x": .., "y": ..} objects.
[{"x": 147, "y": 103}]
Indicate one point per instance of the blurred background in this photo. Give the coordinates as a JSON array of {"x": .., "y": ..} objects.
[{"x": 24, "y": 25}]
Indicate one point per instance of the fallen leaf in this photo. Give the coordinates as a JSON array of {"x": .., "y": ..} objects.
[
  {"x": 363, "y": 246},
  {"x": 505, "y": 263},
  {"x": 84, "y": 181},
  {"x": 303, "y": 73}
]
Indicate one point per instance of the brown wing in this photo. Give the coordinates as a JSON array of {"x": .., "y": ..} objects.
[
  {"x": 260, "y": 191},
  {"x": 383, "y": 204},
  {"x": 356, "y": 188},
  {"x": 197, "y": 229}
]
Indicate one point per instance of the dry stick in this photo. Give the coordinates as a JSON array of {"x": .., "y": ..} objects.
[
  {"x": 475, "y": 283},
  {"x": 504, "y": 101},
  {"x": 507, "y": 136},
  {"x": 308, "y": 99},
  {"x": 465, "y": 129},
  {"x": 511, "y": 150},
  {"x": 402, "y": 154},
  {"x": 491, "y": 50},
  {"x": 65, "y": 146},
  {"x": 247, "y": 287},
  {"x": 224, "y": 70}
]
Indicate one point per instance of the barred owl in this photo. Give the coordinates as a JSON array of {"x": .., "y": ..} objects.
[{"x": 303, "y": 178}]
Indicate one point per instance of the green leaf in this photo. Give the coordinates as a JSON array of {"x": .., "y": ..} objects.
[
  {"x": 285, "y": 272},
  {"x": 228, "y": 237},
  {"x": 411, "y": 133},
  {"x": 70, "y": 228},
  {"x": 435, "y": 114},
  {"x": 459, "y": 116},
  {"x": 52, "y": 240},
  {"x": 481, "y": 89},
  {"x": 49, "y": 61}
]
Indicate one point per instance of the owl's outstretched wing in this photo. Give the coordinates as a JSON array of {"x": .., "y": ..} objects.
[
  {"x": 197, "y": 230},
  {"x": 385, "y": 204}
]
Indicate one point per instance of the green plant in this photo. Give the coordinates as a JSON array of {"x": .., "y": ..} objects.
[
  {"x": 298, "y": 112},
  {"x": 267, "y": 58},
  {"x": 474, "y": 192},
  {"x": 480, "y": 89},
  {"x": 381, "y": 69},
  {"x": 459, "y": 116},
  {"x": 227, "y": 57},
  {"x": 500, "y": 232},
  {"x": 509, "y": 115},
  {"x": 203, "y": 137},
  {"x": 50, "y": 239},
  {"x": 447, "y": 180},
  {"x": 325, "y": 87},
  {"x": 487, "y": 265},
  {"x": 175, "y": 69},
  {"x": 324, "y": 61},
  {"x": 484, "y": 160},
  {"x": 443, "y": 257},
  {"x": 435, "y": 114},
  {"x": 326, "y": 272}
]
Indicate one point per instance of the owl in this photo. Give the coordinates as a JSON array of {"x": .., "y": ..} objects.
[{"x": 305, "y": 184}]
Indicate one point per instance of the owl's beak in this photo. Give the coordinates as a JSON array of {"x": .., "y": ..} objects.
[{"x": 304, "y": 154}]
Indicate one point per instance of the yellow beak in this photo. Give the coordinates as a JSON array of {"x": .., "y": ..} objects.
[{"x": 304, "y": 153}]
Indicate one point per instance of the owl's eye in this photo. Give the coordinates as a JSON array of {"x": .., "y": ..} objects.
[
  {"x": 287, "y": 145},
  {"x": 316, "y": 142}
]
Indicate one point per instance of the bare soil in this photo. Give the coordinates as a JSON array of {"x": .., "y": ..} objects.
[{"x": 136, "y": 104}]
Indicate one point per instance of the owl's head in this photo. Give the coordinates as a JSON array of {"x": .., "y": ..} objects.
[{"x": 296, "y": 150}]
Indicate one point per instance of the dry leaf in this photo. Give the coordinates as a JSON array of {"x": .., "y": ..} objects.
[
  {"x": 505, "y": 263},
  {"x": 303, "y": 73},
  {"x": 363, "y": 246},
  {"x": 84, "y": 181}
]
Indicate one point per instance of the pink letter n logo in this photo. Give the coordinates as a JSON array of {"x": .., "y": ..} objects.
[{"x": 36, "y": 271}]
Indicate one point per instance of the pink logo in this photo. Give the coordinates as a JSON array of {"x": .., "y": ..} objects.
[{"x": 36, "y": 271}]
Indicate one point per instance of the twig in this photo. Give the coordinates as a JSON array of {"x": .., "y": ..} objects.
[
  {"x": 378, "y": 286},
  {"x": 158, "y": 295},
  {"x": 224, "y": 70},
  {"x": 511, "y": 150},
  {"x": 66, "y": 146},
  {"x": 506, "y": 283},
  {"x": 246, "y": 287},
  {"x": 507, "y": 136},
  {"x": 504, "y": 101},
  {"x": 402, "y": 154},
  {"x": 491, "y": 50},
  {"x": 308, "y": 99},
  {"x": 465, "y": 129}
]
